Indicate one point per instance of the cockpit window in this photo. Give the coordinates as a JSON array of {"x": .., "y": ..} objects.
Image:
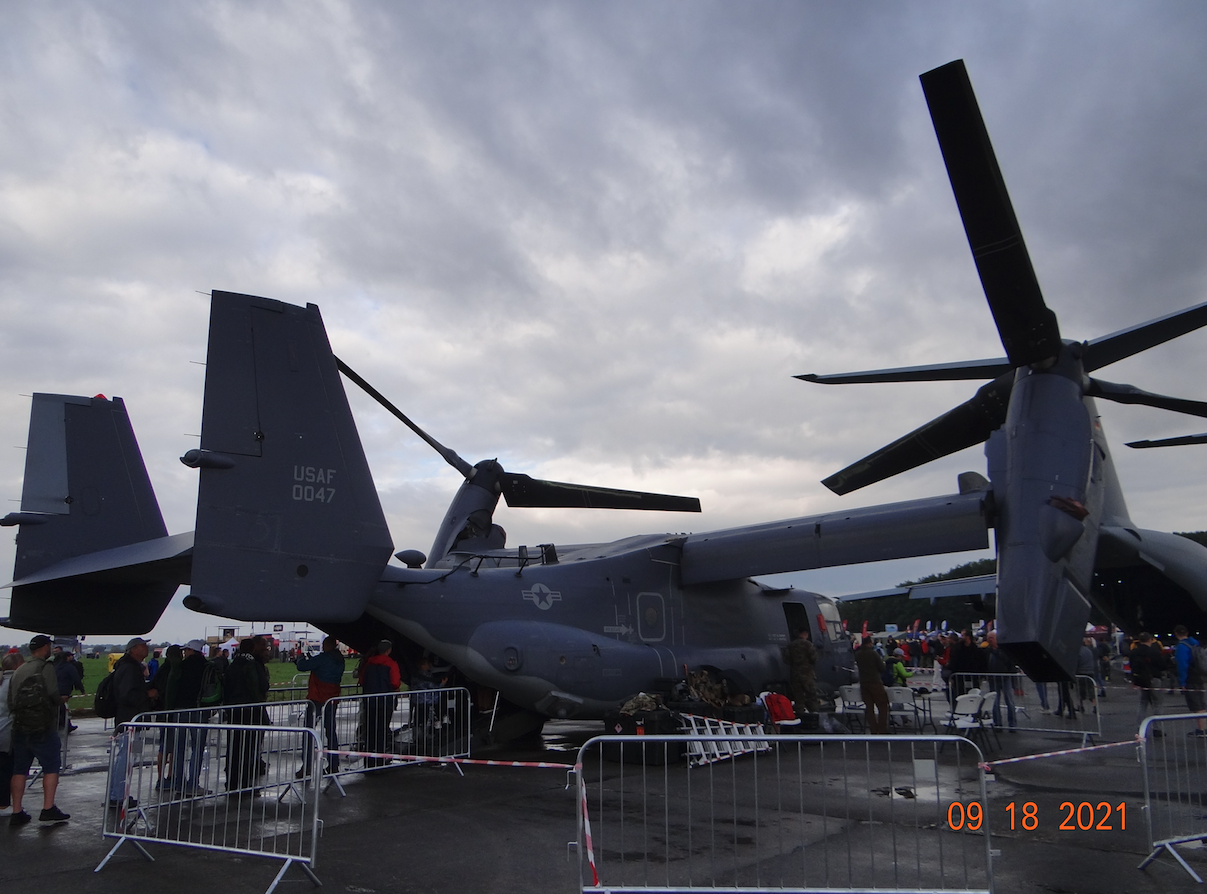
[{"x": 829, "y": 611}]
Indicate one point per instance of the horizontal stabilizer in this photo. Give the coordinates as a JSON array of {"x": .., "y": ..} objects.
[
  {"x": 949, "y": 524},
  {"x": 114, "y": 591},
  {"x": 175, "y": 549},
  {"x": 289, "y": 524}
]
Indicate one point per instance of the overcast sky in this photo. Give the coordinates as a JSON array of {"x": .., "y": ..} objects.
[{"x": 594, "y": 240}]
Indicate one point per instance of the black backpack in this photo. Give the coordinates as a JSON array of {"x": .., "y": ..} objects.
[
  {"x": 104, "y": 703},
  {"x": 32, "y": 711},
  {"x": 211, "y": 686}
]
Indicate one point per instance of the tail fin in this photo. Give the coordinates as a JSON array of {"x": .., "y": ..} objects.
[
  {"x": 288, "y": 520},
  {"x": 86, "y": 491}
]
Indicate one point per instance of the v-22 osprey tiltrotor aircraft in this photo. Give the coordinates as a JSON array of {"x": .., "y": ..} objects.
[{"x": 289, "y": 526}]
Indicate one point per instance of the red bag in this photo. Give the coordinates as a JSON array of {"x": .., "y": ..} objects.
[{"x": 778, "y": 707}]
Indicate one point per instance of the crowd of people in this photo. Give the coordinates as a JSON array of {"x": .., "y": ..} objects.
[
  {"x": 190, "y": 686},
  {"x": 186, "y": 684},
  {"x": 957, "y": 662}
]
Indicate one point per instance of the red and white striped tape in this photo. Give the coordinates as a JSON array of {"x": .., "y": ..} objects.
[
  {"x": 578, "y": 769},
  {"x": 989, "y": 765}
]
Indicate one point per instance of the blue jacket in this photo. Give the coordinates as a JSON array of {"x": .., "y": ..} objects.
[
  {"x": 327, "y": 666},
  {"x": 1184, "y": 655}
]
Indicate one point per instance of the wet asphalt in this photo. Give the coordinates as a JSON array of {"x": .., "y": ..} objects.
[{"x": 427, "y": 828}]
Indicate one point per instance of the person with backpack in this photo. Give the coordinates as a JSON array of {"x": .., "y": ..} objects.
[
  {"x": 1149, "y": 665},
  {"x": 1192, "y": 676},
  {"x": 33, "y": 704},
  {"x": 896, "y": 673}
]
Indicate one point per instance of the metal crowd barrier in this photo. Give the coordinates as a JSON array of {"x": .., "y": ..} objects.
[
  {"x": 420, "y": 722},
  {"x": 1173, "y": 754},
  {"x": 811, "y": 813},
  {"x": 303, "y": 679},
  {"x": 298, "y": 693},
  {"x": 1036, "y": 707},
  {"x": 278, "y": 712},
  {"x": 243, "y": 793}
]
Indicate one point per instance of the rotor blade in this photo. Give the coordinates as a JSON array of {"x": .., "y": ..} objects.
[
  {"x": 970, "y": 423},
  {"x": 523, "y": 491},
  {"x": 1110, "y": 348},
  {"x": 1130, "y": 394},
  {"x": 1170, "y": 442},
  {"x": 935, "y": 372},
  {"x": 450, "y": 456},
  {"x": 1027, "y": 326}
]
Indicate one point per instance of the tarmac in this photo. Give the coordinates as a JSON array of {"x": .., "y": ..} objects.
[{"x": 426, "y": 828}]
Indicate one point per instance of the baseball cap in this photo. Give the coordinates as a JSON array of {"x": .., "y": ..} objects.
[
  {"x": 137, "y": 641},
  {"x": 196, "y": 645},
  {"x": 39, "y": 641}
]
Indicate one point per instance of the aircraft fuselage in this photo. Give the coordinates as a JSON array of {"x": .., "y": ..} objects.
[{"x": 577, "y": 637}]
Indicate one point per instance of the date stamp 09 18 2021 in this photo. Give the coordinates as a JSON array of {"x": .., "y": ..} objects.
[{"x": 1083, "y": 816}]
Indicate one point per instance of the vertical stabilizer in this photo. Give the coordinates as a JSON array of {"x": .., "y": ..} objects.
[
  {"x": 86, "y": 490},
  {"x": 288, "y": 520}
]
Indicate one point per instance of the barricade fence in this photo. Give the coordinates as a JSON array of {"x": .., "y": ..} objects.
[
  {"x": 794, "y": 813},
  {"x": 1019, "y": 703},
  {"x": 1173, "y": 754},
  {"x": 349, "y": 679},
  {"x": 430, "y": 723},
  {"x": 276, "y": 713},
  {"x": 295, "y": 693},
  {"x": 241, "y": 787},
  {"x": 417, "y": 723}
]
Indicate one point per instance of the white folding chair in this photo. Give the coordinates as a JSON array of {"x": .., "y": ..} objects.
[
  {"x": 902, "y": 707},
  {"x": 851, "y": 706},
  {"x": 985, "y": 715},
  {"x": 965, "y": 717}
]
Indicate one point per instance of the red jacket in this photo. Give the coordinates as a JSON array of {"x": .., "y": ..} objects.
[{"x": 390, "y": 665}]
